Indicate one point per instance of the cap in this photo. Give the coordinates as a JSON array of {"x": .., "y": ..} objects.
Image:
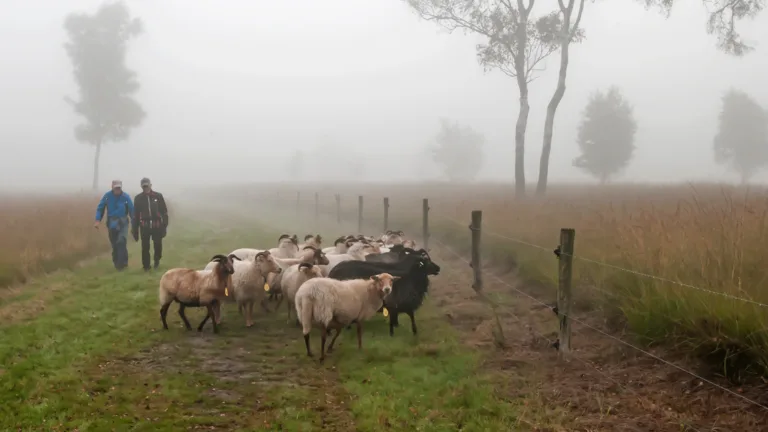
[
  {"x": 117, "y": 184},
  {"x": 145, "y": 182}
]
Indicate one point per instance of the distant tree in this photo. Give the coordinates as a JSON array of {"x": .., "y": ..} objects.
[
  {"x": 567, "y": 31},
  {"x": 458, "y": 151},
  {"x": 516, "y": 44},
  {"x": 742, "y": 138},
  {"x": 606, "y": 135},
  {"x": 722, "y": 20},
  {"x": 97, "y": 46}
]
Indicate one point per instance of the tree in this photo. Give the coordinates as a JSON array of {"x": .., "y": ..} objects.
[
  {"x": 567, "y": 32},
  {"x": 97, "y": 46},
  {"x": 606, "y": 135},
  {"x": 458, "y": 150},
  {"x": 722, "y": 20},
  {"x": 516, "y": 44},
  {"x": 742, "y": 138}
]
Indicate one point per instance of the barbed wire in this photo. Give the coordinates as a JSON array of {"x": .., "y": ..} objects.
[
  {"x": 619, "y": 268},
  {"x": 572, "y": 354},
  {"x": 623, "y": 342}
]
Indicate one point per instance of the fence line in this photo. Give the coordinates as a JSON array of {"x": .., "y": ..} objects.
[{"x": 564, "y": 254}]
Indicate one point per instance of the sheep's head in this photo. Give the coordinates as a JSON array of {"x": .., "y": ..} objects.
[
  {"x": 394, "y": 239},
  {"x": 283, "y": 238},
  {"x": 339, "y": 240},
  {"x": 409, "y": 244},
  {"x": 370, "y": 249},
  {"x": 225, "y": 263},
  {"x": 266, "y": 263},
  {"x": 349, "y": 243},
  {"x": 313, "y": 240},
  {"x": 426, "y": 264},
  {"x": 319, "y": 258},
  {"x": 382, "y": 283},
  {"x": 310, "y": 271}
]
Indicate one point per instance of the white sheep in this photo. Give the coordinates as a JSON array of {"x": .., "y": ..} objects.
[
  {"x": 248, "y": 283},
  {"x": 311, "y": 240},
  {"x": 332, "y": 304},
  {"x": 340, "y": 245},
  {"x": 292, "y": 278},
  {"x": 357, "y": 252},
  {"x": 287, "y": 247},
  {"x": 197, "y": 288},
  {"x": 309, "y": 255}
]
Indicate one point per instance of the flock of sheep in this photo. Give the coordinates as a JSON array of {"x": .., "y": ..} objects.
[{"x": 329, "y": 288}]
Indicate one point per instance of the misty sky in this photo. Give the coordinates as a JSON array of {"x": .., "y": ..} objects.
[{"x": 232, "y": 88}]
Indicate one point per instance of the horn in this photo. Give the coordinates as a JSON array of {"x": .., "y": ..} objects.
[
  {"x": 305, "y": 265},
  {"x": 218, "y": 258},
  {"x": 309, "y": 247},
  {"x": 307, "y": 237},
  {"x": 388, "y": 232},
  {"x": 400, "y": 233},
  {"x": 283, "y": 237},
  {"x": 263, "y": 253},
  {"x": 318, "y": 238},
  {"x": 234, "y": 257}
]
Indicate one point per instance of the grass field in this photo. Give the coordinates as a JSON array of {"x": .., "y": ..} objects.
[
  {"x": 83, "y": 349},
  {"x": 707, "y": 236},
  {"x": 44, "y": 233}
]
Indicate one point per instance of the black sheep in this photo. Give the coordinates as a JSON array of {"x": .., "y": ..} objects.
[{"x": 408, "y": 292}]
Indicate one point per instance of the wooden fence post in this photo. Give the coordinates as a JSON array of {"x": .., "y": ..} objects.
[
  {"x": 477, "y": 222},
  {"x": 565, "y": 273},
  {"x": 386, "y": 214},
  {"x": 298, "y": 203},
  {"x": 425, "y": 223},
  {"x": 360, "y": 214},
  {"x": 338, "y": 209},
  {"x": 317, "y": 206}
]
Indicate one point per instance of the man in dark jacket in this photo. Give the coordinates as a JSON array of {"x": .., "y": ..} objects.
[{"x": 152, "y": 220}]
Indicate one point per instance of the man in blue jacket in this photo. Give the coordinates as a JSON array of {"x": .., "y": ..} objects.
[{"x": 119, "y": 208}]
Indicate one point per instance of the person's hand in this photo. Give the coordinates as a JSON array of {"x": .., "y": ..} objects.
[
  {"x": 135, "y": 234},
  {"x": 96, "y": 224}
]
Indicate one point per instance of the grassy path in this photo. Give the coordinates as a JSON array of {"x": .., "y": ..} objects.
[{"x": 83, "y": 350}]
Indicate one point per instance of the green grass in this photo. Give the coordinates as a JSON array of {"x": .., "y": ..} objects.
[{"x": 83, "y": 349}]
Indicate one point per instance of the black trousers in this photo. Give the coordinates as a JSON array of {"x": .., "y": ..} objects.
[{"x": 156, "y": 235}]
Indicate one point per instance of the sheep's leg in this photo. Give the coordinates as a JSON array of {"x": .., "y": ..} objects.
[
  {"x": 184, "y": 317},
  {"x": 249, "y": 314},
  {"x": 279, "y": 302},
  {"x": 289, "y": 311},
  {"x": 323, "y": 336},
  {"x": 202, "y": 324},
  {"x": 240, "y": 308},
  {"x": 212, "y": 314},
  {"x": 413, "y": 322},
  {"x": 306, "y": 342},
  {"x": 163, "y": 313},
  {"x": 392, "y": 323},
  {"x": 330, "y": 347},
  {"x": 359, "y": 335}
]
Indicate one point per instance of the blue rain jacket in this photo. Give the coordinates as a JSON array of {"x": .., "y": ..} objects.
[{"x": 118, "y": 209}]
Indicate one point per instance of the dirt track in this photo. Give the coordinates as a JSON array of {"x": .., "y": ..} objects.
[{"x": 603, "y": 386}]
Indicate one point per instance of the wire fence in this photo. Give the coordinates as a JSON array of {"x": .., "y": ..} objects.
[{"x": 563, "y": 253}]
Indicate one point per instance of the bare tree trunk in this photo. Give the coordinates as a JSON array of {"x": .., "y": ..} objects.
[
  {"x": 96, "y": 158},
  {"x": 549, "y": 124},
  {"x": 520, "y": 127}
]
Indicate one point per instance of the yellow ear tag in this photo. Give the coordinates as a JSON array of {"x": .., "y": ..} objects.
[
  {"x": 226, "y": 292},
  {"x": 386, "y": 312},
  {"x": 266, "y": 286}
]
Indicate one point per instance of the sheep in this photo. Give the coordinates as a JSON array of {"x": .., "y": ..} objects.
[
  {"x": 340, "y": 246},
  {"x": 311, "y": 240},
  {"x": 408, "y": 293},
  {"x": 292, "y": 278},
  {"x": 391, "y": 238},
  {"x": 332, "y": 304},
  {"x": 248, "y": 283},
  {"x": 357, "y": 251},
  {"x": 311, "y": 255},
  {"x": 409, "y": 244},
  {"x": 395, "y": 254},
  {"x": 287, "y": 247},
  {"x": 196, "y": 288}
]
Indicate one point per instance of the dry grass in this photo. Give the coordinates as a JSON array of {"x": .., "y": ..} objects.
[
  {"x": 44, "y": 233},
  {"x": 708, "y": 236}
]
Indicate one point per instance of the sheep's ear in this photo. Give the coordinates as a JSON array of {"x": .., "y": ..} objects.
[
  {"x": 318, "y": 238},
  {"x": 394, "y": 278},
  {"x": 375, "y": 278}
]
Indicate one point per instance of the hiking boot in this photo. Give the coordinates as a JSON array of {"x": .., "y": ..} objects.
[
  {"x": 146, "y": 269},
  {"x": 157, "y": 264}
]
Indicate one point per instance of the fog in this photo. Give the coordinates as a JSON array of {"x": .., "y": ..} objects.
[{"x": 232, "y": 89}]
